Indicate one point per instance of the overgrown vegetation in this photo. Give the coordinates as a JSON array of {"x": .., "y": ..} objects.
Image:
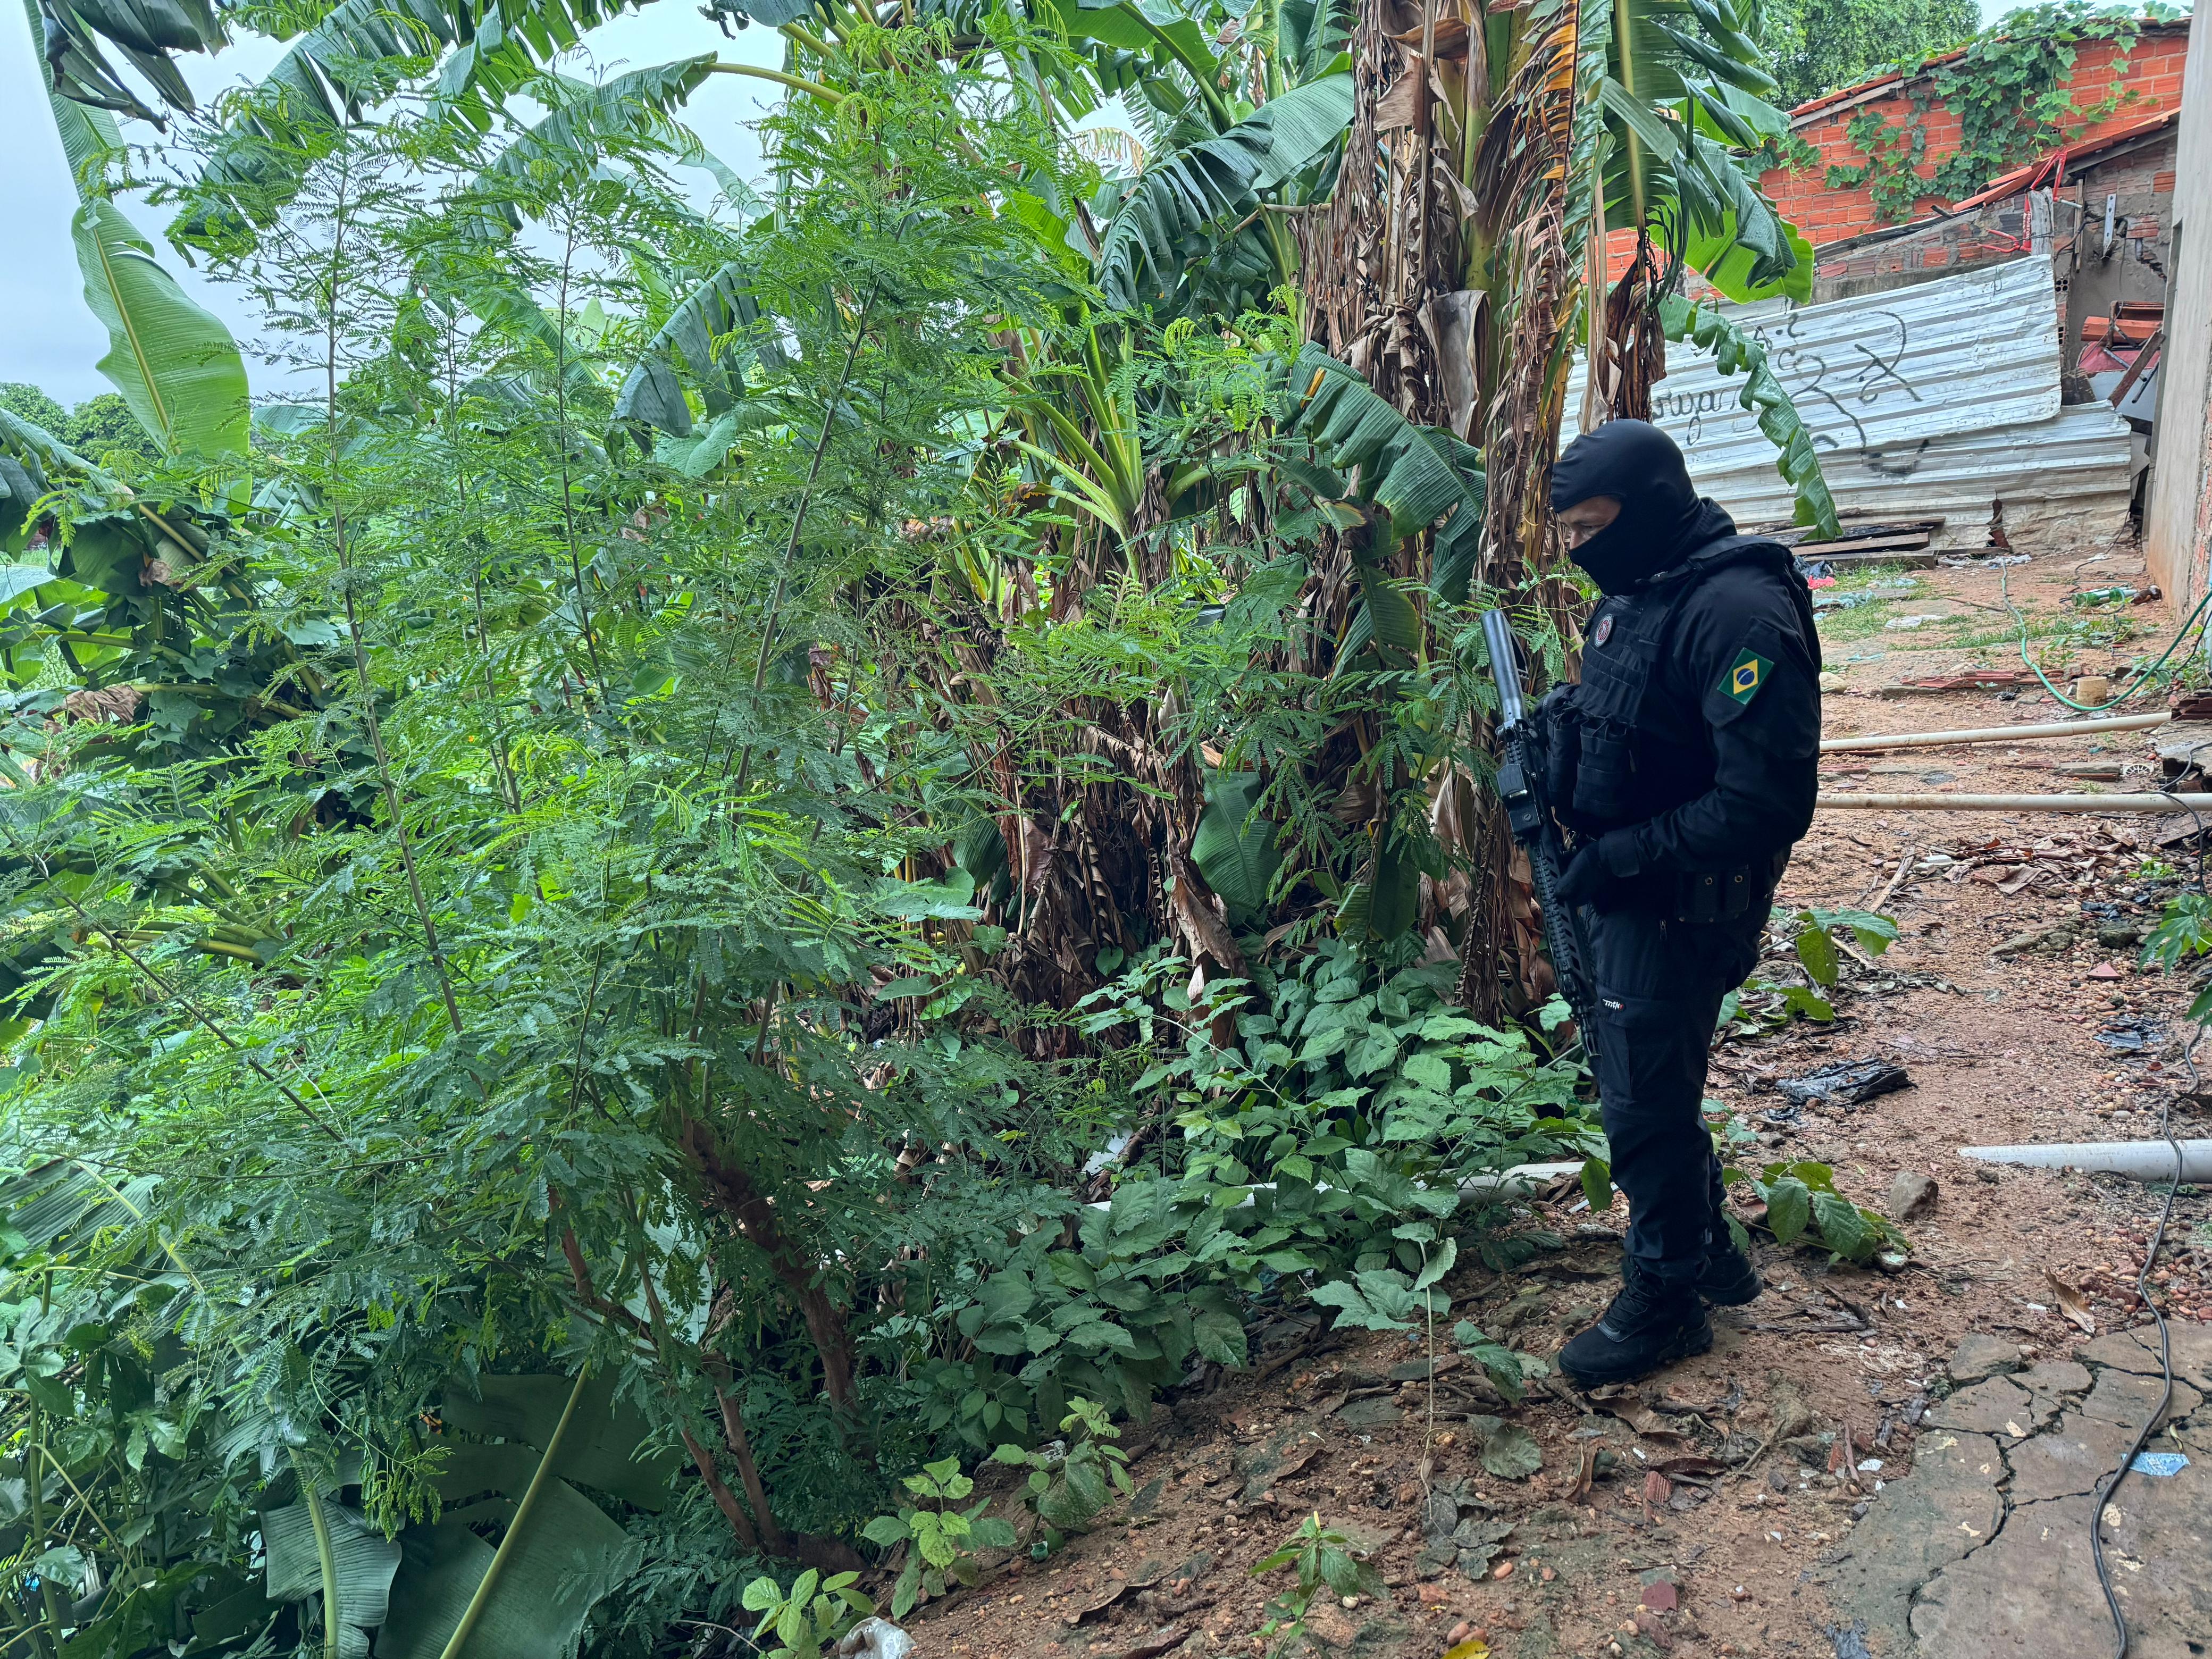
[{"x": 779, "y": 839}]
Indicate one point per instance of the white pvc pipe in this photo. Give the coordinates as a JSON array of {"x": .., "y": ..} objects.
[
  {"x": 1992, "y": 734},
  {"x": 2145, "y": 1160},
  {"x": 1855, "y": 802}
]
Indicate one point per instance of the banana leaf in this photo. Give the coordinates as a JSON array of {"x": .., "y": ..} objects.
[
  {"x": 1234, "y": 848},
  {"x": 1164, "y": 220},
  {"x": 560, "y": 1553},
  {"x": 174, "y": 362},
  {"x": 710, "y": 332},
  {"x": 598, "y": 1450},
  {"x": 363, "y": 1560},
  {"x": 1736, "y": 352}
]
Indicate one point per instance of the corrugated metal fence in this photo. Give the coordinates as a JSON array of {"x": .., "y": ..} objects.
[{"x": 1932, "y": 401}]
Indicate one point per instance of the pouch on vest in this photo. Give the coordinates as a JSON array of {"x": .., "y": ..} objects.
[{"x": 1605, "y": 775}]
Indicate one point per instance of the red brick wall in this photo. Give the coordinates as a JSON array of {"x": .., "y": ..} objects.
[{"x": 1823, "y": 214}]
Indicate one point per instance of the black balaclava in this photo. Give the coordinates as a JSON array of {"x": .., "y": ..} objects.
[{"x": 1661, "y": 521}]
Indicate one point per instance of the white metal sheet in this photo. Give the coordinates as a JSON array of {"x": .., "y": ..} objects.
[
  {"x": 1878, "y": 379},
  {"x": 2082, "y": 456}
]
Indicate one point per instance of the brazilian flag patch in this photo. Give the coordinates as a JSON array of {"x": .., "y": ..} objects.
[{"x": 1748, "y": 674}]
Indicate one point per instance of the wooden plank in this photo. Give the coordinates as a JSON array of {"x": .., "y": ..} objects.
[{"x": 1908, "y": 538}]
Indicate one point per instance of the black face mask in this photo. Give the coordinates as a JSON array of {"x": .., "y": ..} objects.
[{"x": 1662, "y": 520}]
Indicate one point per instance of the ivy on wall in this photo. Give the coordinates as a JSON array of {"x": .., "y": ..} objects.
[
  {"x": 1788, "y": 151},
  {"x": 2009, "y": 91}
]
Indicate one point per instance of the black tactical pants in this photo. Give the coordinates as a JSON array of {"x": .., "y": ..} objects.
[{"x": 1659, "y": 986}]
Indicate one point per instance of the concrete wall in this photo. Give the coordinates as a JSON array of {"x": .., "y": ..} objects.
[{"x": 2180, "y": 504}]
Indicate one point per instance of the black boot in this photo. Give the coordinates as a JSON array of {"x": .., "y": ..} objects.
[
  {"x": 1649, "y": 1325},
  {"x": 1728, "y": 1280}
]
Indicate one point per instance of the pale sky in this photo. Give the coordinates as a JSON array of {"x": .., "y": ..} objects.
[{"x": 49, "y": 338}]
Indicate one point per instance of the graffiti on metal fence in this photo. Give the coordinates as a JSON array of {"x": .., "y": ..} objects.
[{"x": 1845, "y": 379}]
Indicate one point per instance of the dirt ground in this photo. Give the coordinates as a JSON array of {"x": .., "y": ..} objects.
[{"x": 1706, "y": 1525}]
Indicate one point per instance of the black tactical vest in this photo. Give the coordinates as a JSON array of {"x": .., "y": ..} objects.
[{"x": 1624, "y": 748}]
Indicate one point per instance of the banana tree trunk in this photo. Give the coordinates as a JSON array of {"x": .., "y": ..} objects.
[{"x": 1448, "y": 270}]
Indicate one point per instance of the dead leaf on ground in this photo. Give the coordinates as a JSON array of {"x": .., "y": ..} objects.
[
  {"x": 1584, "y": 1475},
  {"x": 1690, "y": 1464},
  {"x": 1672, "y": 1403},
  {"x": 1651, "y": 1624},
  {"x": 1114, "y": 1590},
  {"x": 1165, "y": 1639},
  {"x": 2072, "y": 1302}
]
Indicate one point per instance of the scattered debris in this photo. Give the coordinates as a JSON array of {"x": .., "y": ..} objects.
[
  {"x": 2056, "y": 937},
  {"x": 1911, "y": 1195},
  {"x": 1114, "y": 1590},
  {"x": 2071, "y": 1301},
  {"x": 875, "y": 1639},
  {"x": 1845, "y": 1084},
  {"x": 2159, "y": 1466},
  {"x": 2132, "y": 1035},
  {"x": 1974, "y": 679},
  {"x": 1166, "y": 1640}
]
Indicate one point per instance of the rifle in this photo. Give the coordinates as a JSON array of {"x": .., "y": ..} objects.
[{"x": 1520, "y": 788}]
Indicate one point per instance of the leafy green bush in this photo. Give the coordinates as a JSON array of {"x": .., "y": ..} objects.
[
  {"x": 2184, "y": 931},
  {"x": 1759, "y": 1004},
  {"x": 940, "y": 1542},
  {"x": 1803, "y": 1203},
  {"x": 1075, "y": 1478},
  {"x": 810, "y": 1616},
  {"x": 1320, "y": 1558}
]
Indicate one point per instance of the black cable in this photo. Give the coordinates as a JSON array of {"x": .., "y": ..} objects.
[{"x": 2111, "y": 1484}]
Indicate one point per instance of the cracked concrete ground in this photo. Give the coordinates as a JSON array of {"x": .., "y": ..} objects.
[{"x": 1982, "y": 1551}]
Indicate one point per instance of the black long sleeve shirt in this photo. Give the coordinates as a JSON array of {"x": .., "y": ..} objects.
[{"x": 1742, "y": 652}]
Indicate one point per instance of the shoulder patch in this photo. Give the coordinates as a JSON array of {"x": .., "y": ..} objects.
[{"x": 1745, "y": 675}]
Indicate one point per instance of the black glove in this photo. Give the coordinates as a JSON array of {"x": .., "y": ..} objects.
[{"x": 1589, "y": 878}]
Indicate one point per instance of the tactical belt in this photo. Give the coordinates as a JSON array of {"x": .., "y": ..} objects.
[{"x": 1707, "y": 896}]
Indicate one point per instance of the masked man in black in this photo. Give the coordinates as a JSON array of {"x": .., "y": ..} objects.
[{"x": 1685, "y": 762}]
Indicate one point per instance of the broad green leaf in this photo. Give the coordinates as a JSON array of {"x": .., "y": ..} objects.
[
  {"x": 1375, "y": 1051},
  {"x": 1353, "y": 1310},
  {"x": 1843, "y": 1229},
  {"x": 572, "y": 1556},
  {"x": 1789, "y": 1207},
  {"x": 1234, "y": 847},
  {"x": 1597, "y": 1183},
  {"x": 173, "y": 361},
  {"x": 1439, "y": 1263},
  {"x": 602, "y": 1448},
  {"x": 948, "y": 899},
  {"x": 364, "y": 1559},
  {"x": 884, "y": 1530},
  {"x": 1817, "y": 953},
  {"x": 1218, "y": 1335}
]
